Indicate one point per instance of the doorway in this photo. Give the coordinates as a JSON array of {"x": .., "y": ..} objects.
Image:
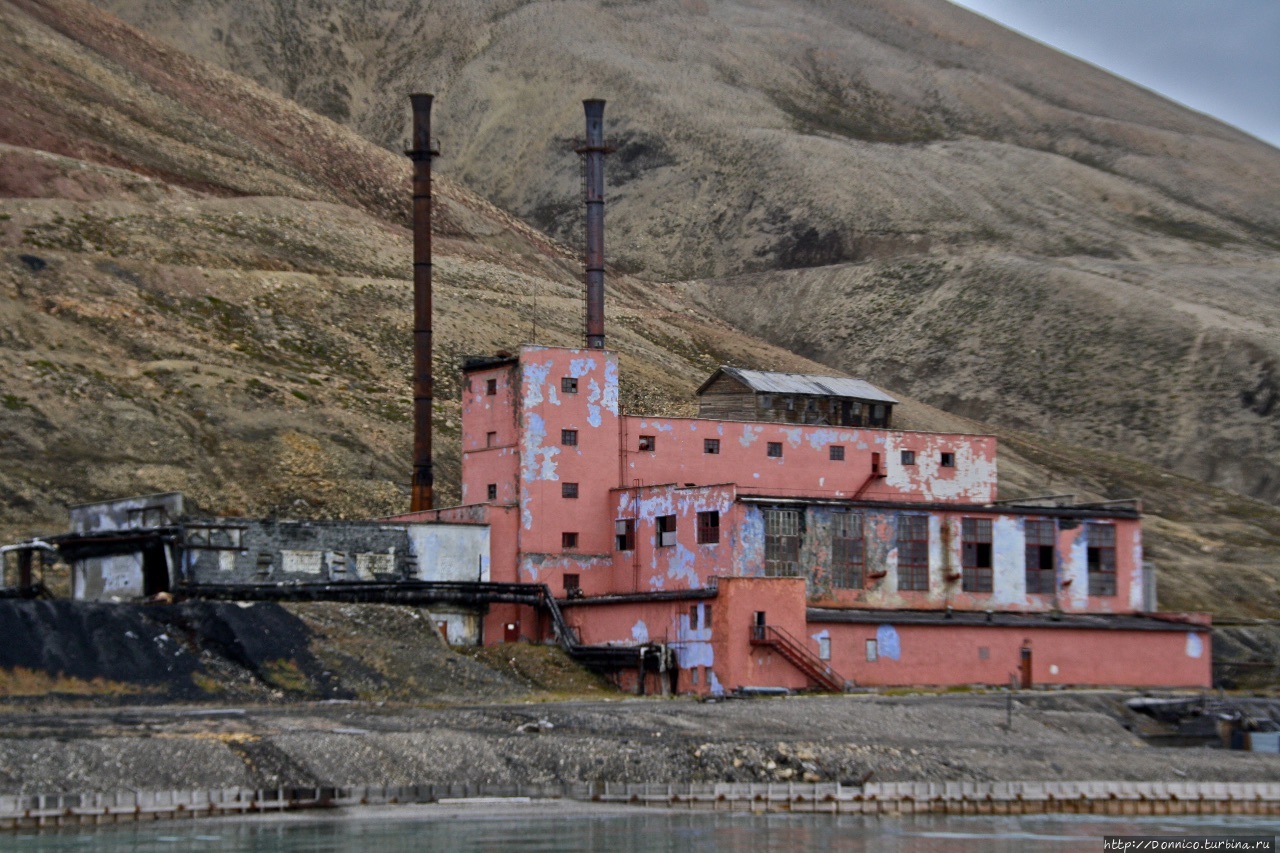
[{"x": 155, "y": 570}]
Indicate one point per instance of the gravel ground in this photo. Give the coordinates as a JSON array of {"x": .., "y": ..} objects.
[{"x": 1063, "y": 736}]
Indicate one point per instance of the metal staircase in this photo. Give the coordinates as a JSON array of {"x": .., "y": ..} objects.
[{"x": 814, "y": 668}]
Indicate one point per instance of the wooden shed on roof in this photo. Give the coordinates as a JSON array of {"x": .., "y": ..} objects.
[{"x": 737, "y": 394}]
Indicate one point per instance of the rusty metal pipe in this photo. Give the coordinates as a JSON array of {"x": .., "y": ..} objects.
[
  {"x": 594, "y": 152},
  {"x": 421, "y": 153}
]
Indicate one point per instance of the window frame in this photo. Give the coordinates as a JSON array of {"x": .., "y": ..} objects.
[
  {"x": 977, "y": 561},
  {"x": 665, "y": 530},
  {"x": 647, "y": 444},
  {"x": 569, "y": 540},
  {"x": 848, "y": 552},
  {"x": 946, "y": 459},
  {"x": 773, "y": 450},
  {"x": 569, "y": 385},
  {"x": 569, "y": 491},
  {"x": 1040, "y": 579},
  {"x": 783, "y": 537},
  {"x": 907, "y": 457},
  {"x": 1100, "y": 559},
  {"x": 569, "y": 438},
  {"x": 711, "y": 446},
  {"x": 709, "y": 527},
  {"x": 491, "y": 492},
  {"x": 835, "y": 452},
  {"x": 913, "y": 574},
  {"x": 624, "y": 534},
  {"x": 491, "y": 387}
]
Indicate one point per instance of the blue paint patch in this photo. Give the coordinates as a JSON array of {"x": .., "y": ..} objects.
[
  {"x": 751, "y": 555},
  {"x": 1195, "y": 646},
  {"x": 681, "y": 567},
  {"x": 750, "y": 434},
  {"x": 610, "y": 401},
  {"x": 663, "y": 427},
  {"x": 720, "y": 429},
  {"x": 794, "y": 436},
  {"x": 887, "y": 643},
  {"x": 540, "y": 461},
  {"x": 640, "y": 632},
  {"x": 535, "y": 377},
  {"x": 693, "y": 646},
  {"x": 657, "y": 582},
  {"x": 716, "y": 688},
  {"x": 580, "y": 367},
  {"x": 820, "y": 438}
]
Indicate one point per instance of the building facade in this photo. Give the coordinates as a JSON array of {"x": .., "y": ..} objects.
[{"x": 781, "y": 551}]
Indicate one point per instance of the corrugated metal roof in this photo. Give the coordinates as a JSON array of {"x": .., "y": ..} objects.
[{"x": 768, "y": 382}]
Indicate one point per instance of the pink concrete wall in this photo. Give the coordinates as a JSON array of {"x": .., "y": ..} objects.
[
  {"x": 949, "y": 655},
  {"x": 806, "y": 467},
  {"x": 490, "y": 434},
  {"x": 738, "y": 663},
  {"x": 687, "y": 564}
]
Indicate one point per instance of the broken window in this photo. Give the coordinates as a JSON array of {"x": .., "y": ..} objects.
[
  {"x": 572, "y": 586},
  {"x": 569, "y": 385},
  {"x": 711, "y": 445},
  {"x": 847, "y": 550},
  {"x": 774, "y": 449},
  {"x": 908, "y": 457},
  {"x": 1101, "y": 540},
  {"x": 913, "y": 552},
  {"x": 491, "y": 387},
  {"x": 648, "y": 442},
  {"x": 569, "y": 437},
  {"x": 666, "y": 531},
  {"x": 568, "y": 540},
  {"x": 625, "y": 534},
  {"x": 948, "y": 460},
  {"x": 568, "y": 490},
  {"x": 492, "y": 491},
  {"x": 836, "y": 452},
  {"x": 708, "y": 527},
  {"x": 781, "y": 543},
  {"x": 975, "y": 552},
  {"x": 1040, "y": 569}
]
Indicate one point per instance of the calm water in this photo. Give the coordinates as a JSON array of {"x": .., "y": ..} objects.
[{"x": 648, "y": 831}]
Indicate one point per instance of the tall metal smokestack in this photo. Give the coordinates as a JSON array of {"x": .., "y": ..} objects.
[
  {"x": 421, "y": 154},
  {"x": 594, "y": 152}
]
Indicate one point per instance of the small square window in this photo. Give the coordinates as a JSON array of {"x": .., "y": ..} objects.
[
  {"x": 572, "y": 584},
  {"x": 490, "y": 439},
  {"x": 775, "y": 449},
  {"x": 948, "y": 460},
  {"x": 568, "y": 540},
  {"x": 908, "y": 457},
  {"x": 836, "y": 451},
  {"x": 711, "y": 445},
  {"x": 569, "y": 437},
  {"x": 492, "y": 490},
  {"x": 491, "y": 387},
  {"x": 569, "y": 385},
  {"x": 648, "y": 442},
  {"x": 625, "y": 534},
  {"x": 568, "y": 490}
]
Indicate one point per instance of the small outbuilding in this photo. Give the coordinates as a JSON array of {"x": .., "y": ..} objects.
[{"x": 735, "y": 393}]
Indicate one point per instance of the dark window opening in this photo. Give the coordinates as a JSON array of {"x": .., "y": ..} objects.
[
  {"x": 490, "y": 439},
  {"x": 491, "y": 387},
  {"x": 625, "y": 534},
  {"x": 782, "y": 543},
  {"x": 569, "y": 437},
  {"x": 711, "y": 445},
  {"x": 572, "y": 586},
  {"x": 948, "y": 460},
  {"x": 155, "y": 570},
  {"x": 975, "y": 549},
  {"x": 492, "y": 491},
  {"x": 848, "y": 555},
  {"x": 708, "y": 527},
  {"x": 568, "y": 490},
  {"x": 666, "y": 531},
  {"x": 875, "y": 463},
  {"x": 568, "y": 540},
  {"x": 879, "y": 415},
  {"x": 1040, "y": 569},
  {"x": 836, "y": 452},
  {"x": 774, "y": 449},
  {"x": 1101, "y": 559},
  {"x": 913, "y": 552},
  {"x": 908, "y": 457},
  {"x": 569, "y": 385},
  {"x": 648, "y": 442}
]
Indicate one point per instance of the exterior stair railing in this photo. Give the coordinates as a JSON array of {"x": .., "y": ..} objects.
[{"x": 798, "y": 656}]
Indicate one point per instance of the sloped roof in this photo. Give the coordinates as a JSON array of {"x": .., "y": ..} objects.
[{"x": 767, "y": 382}]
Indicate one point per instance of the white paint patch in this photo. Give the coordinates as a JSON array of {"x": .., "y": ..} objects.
[
  {"x": 1076, "y": 569},
  {"x": 369, "y": 564},
  {"x": 301, "y": 562},
  {"x": 1009, "y": 561},
  {"x": 1137, "y": 583},
  {"x": 226, "y": 561},
  {"x": 1195, "y": 646}
]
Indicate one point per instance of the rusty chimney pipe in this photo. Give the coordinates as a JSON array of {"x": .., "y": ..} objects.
[
  {"x": 421, "y": 153},
  {"x": 594, "y": 152}
]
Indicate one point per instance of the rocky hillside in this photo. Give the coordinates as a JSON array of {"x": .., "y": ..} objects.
[
  {"x": 205, "y": 287},
  {"x": 985, "y": 223}
]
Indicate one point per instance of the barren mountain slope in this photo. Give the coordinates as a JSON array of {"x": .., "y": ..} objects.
[
  {"x": 1107, "y": 261},
  {"x": 204, "y": 287}
]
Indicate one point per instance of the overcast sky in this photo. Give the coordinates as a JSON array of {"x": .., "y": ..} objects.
[{"x": 1221, "y": 57}]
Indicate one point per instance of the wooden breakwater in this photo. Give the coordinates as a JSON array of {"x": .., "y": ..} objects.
[{"x": 888, "y": 798}]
